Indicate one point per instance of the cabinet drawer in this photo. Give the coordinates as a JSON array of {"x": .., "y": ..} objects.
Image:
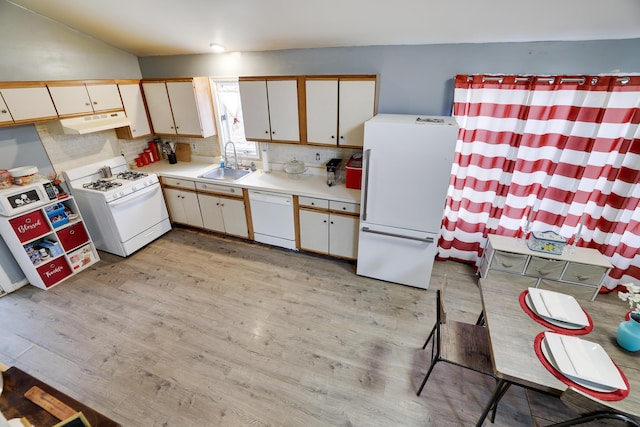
[
  {"x": 181, "y": 183},
  {"x": 73, "y": 236},
  {"x": 28, "y": 227},
  {"x": 313, "y": 202},
  {"x": 54, "y": 271},
  {"x": 219, "y": 189},
  {"x": 344, "y": 207},
  {"x": 507, "y": 261},
  {"x": 583, "y": 273},
  {"x": 545, "y": 268}
]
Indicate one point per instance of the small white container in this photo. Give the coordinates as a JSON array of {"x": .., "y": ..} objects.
[{"x": 23, "y": 175}]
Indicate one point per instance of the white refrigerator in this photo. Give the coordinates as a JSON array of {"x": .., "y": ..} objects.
[{"x": 406, "y": 171}]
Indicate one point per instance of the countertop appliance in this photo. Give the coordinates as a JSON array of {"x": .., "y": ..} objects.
[
  {"x": 123, "y": 213},
  {"x": 407, "y": 166},
  {"x": 332, "y": 171},
  {"x": 272, "y": 217}
]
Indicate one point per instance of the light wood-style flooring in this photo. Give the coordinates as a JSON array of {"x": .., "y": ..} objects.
[{"x": 201, "y": 330}]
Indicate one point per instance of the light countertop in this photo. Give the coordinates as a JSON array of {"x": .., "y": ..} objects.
[{"x": 309, "y": 185}]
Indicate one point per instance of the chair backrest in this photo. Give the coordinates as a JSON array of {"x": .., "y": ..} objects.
[{"x": 441, "y": 312}]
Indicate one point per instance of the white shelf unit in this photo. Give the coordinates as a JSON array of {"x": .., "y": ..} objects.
[
  {"x": 509, "y": 259},
  {"x": 67, "y": 242}
]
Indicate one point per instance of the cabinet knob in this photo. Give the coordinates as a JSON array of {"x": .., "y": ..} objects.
[
  {"x": 273, "y": 132},
  {"x": 95, "y": 102},
  {"x": 333, "y": 137},
  {"x": 325, "y": 221},
  {"x": 331, "y": 222},
  {"x": 87, "y": 104},
  {"x": 266, "y": 131},
  {"x": 4, "y": 111},
  {"x": 341, "y": 136}
]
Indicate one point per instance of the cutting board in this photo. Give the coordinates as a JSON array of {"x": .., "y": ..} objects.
[{"x": 183, "y": 152}]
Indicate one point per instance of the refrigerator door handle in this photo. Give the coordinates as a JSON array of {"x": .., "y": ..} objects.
[
  {"x": 367, "y": 157},
  {"x": 401, "y": 236}
]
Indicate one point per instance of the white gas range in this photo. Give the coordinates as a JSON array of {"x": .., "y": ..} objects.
[{"x": 123, "y": 212}]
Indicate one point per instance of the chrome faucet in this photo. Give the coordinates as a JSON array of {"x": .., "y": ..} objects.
[{"x": 235, "y": 154}]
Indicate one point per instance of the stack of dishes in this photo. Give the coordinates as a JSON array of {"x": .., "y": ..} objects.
[
  {"x": 584, "y": 362},
  {"x": 557, "y": 308}
]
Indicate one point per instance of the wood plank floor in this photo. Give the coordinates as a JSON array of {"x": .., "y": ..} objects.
[{"x": 200, "y": 330}]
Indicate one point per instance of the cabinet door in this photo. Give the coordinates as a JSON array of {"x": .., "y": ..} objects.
[
  {"x": 29, "y": 103},
  {"x": 104, "y": 97},
  {"x": 175, "y": 205},
  {"x": 70, "y": 100},
  {"x": 314, "y": 231},
  {"x": 159, "y": 107},
  {"x": 234, "y": 217},
  {"x": 322, "y": 111},
  {"x": 283, "y": 110},
  {"x": 356, "y": 105},
  {"x": 255, "y": 109},
  {"x": 5, "y": 116},
  {"x": 211, "y": 212},
  {"x": 134, "y": 107},
  {"x": 343, "y": 236},
  {"x": 184, "y": 107}
]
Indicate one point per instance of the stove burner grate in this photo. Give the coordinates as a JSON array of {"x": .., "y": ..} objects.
[
  {"x": 101, "y": 185},
  {"x": 131, "y": 175}
]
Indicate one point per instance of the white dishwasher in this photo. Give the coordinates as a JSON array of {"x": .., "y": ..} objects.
[{"x": 272, "y": 216}]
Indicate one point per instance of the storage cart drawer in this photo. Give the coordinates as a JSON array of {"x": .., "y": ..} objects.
[
  {"x": 507, "y": 261},
  {"x": 54, "y": 271},
  {"x": 545, "y": 268},
  {"x": 583, "y": 273},
  {"x": 28, "y": 227},
  {"x": 73, "y": 236}
]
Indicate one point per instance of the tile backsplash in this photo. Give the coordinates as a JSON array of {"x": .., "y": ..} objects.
[{"x": 71, "y": 151}]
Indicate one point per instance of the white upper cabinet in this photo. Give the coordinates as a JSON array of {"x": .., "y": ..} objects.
[
  {"x": 322, "y": 111},
  {"x": 337, "y": 109},
  {"x": 357, "y": 104},
  {"x": 29, "y": 104},
  {"x": 85, "y": 98},
  {"x": 133, "y": 103},
  {"x": 5, "y": 115},
  {"x": 270, "y": 109},
  {"x": 180, "y": 107}
]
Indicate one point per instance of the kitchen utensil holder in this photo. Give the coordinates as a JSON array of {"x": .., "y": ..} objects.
[{"x": 172, "y": 158}]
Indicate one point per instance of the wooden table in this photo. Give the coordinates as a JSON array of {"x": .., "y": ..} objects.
[
  {"x": 512, "y": 332},
  {"x": 13, "y": 403}
]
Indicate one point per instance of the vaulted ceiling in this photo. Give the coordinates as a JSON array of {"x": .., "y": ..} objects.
[{"x": 166, "y": 27}]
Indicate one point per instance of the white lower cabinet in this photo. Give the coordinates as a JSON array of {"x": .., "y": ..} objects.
[
  {"x": 183, "y": 206},
  {"x": 328, "y": 227},
  {"x": 223, "y": 214}
]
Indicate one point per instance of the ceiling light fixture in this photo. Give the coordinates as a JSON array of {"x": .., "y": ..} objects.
[{"x": 216, "y": 48}]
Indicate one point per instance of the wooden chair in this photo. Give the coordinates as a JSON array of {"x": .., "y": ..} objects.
[{"x": 458, "y": 343}]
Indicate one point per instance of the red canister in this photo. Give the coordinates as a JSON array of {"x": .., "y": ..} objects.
[
  {"x": 139, "y": 162},
  {"x": 150, "y": 154}
]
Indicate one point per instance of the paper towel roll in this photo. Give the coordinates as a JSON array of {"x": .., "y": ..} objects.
[{"x": 265, "y": 160}]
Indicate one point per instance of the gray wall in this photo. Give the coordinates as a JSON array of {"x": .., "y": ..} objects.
[
  {"x": 33, "y": 48},
  {"x": 413, "y": 79}
]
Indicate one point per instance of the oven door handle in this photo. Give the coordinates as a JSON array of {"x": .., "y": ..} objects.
[{"x": 135, "y": 196}]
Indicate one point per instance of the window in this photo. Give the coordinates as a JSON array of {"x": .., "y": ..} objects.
[{"x": 226, "y": 95}]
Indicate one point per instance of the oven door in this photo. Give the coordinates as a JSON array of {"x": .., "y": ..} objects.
[{"x": 139, "y": 211}]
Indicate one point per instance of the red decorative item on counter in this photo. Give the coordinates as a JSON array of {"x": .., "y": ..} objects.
[
  {"x": 139, "y": 162},
  {"x": 353, "y": 172}
]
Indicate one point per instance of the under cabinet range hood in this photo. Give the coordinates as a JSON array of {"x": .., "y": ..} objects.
[{"x": 88, "y": 124}]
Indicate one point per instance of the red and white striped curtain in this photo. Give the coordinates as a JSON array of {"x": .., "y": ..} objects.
[{"x": 560, "y": 150}]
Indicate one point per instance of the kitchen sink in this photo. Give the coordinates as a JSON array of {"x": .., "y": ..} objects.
[{"x": 225, "y": 174}]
